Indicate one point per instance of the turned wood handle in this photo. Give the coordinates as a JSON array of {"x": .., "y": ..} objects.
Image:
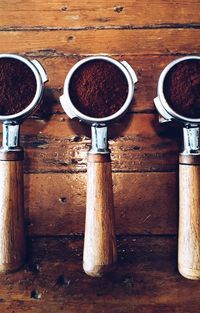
[
  {"x": 12, "y": 235},
  {"x": 189, "y": 217},
  {"x": 99, "y": 244}
]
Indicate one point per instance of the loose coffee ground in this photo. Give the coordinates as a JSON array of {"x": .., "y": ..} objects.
[
  {"x": 17, "y": 86},
  {"x": 182, "y": 88},
  {"x": 98, "y": 88}
]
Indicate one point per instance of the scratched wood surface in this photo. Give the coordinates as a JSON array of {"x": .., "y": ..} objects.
[
  {"x": 149, "y": 35},
  {"x": 145, "y": 280},
  {"x": 138, "y": 143},
  {"x": 60, "y": 208}
]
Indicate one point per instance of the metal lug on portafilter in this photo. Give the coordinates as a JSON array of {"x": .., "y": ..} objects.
[
  {"x": 131, "y": 71},
  {"x": 191, "y": 140},
  {"x": 99, "y": 139},
  {"x": 66, "y": 106},
  {"x": 164, "y": 117},
  {"x": 11, "y": 140}
]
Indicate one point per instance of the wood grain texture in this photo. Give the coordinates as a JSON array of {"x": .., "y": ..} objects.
[
  {"x": 103, "y": 13},
  {"x": 145, "y": 203},
  {"x": 87, "y": 42},
  {"x": 99, "y": 252},
  {"x": 189, "y": 221},
  {"x": 137, "y": 143},
  {"x": 149, "y": 36},
  {"x": 12, "y": 235},
  {"x": 145, "y": 280}
]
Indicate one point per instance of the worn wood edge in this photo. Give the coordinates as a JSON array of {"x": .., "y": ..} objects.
[
  {"x": 11, "y": 267},
  {"x": 99, "y": 270},
  {"x": 189, "y": 273}
]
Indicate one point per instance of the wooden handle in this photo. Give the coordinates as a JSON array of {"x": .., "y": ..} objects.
[
  {"x": 12, "y": 235},
  {"x": 189, "y": 218},
  {"x": 100, "y": 244}
]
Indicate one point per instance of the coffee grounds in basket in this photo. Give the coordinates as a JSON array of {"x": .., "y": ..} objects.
[
  {"x": 182, "y": 88},
  {"x": 98, "y": 88},
  {"x": 17, "y": 86}
]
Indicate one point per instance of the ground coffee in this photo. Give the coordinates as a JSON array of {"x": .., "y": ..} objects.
[
  {"x": 17, "y": 86},
  {"x": 182, "y": 88},
  {"x": 98, "y": 88}
]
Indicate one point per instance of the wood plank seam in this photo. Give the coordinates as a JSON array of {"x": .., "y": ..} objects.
[{"x": 124, "y": 27}]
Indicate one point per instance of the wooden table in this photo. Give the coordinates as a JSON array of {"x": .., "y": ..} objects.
[{"x": 147, "y": 34}]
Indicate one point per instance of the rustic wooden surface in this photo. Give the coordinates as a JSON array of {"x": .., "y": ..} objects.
[
  {"x": 145, "y": 280},
  {"x": 140, "y": 209},
  {"x": 144, "y": 155}
]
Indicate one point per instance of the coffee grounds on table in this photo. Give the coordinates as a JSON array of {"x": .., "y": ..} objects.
[
  {"x": 98, "y": 88},
  {"x": 182, "y": 88},
  {"x": 17, "y": 86}
]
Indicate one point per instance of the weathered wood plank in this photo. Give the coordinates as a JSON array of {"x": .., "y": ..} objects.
[
  {"x": 145, "y": 280},
  {"x": 137, "y": 142},
  {"x": 91, "y": 307},
  {"x": 145, "y": 203},
  {"x": 97, "y": 14},
  {"x": 135, "y": 42}
]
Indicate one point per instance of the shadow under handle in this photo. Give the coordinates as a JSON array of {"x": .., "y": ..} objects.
[
  {"x": 100, "y": 243},
  {"x": 12, "y": 232},
  {"x": 189, "y": 216}
]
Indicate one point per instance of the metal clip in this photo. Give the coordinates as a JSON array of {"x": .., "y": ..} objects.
[
  {"x": 40, "y": 70},
  {"x": 131, "y": 71}
]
